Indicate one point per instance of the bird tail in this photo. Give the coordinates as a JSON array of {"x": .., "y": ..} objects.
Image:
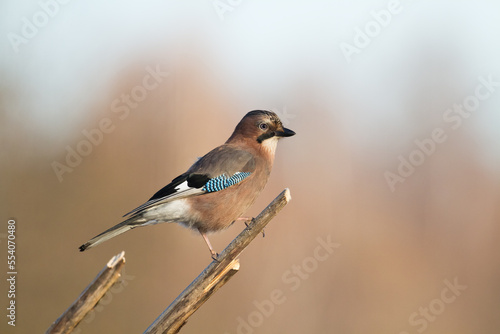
[{"x": 111, "y": 233}]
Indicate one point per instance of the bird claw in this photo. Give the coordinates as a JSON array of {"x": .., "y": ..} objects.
[
  {"x": 247, "y": 225},
  {"x": 246, "y": 220}
]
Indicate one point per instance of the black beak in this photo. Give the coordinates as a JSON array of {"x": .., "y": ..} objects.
[{"x": 285, "y": 133}]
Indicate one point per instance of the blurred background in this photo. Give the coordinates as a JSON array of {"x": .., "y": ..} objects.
[{"x": 395, "y": 163}]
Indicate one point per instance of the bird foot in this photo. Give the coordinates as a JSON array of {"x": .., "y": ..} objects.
[{"x": 247, "y": 224}]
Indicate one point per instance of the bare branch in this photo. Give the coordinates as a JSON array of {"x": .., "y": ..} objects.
[
  {"x": 216, "y": 274},
  {"x": 89, "y": 297}
]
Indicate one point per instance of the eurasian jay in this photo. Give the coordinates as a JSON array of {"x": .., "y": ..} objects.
[{"x": 218, "y": 188}]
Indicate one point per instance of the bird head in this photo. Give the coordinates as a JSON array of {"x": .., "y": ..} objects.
[{"x": 261, "y": 127}]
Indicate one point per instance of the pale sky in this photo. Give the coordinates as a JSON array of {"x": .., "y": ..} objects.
[{"x": 258, "y": 49}]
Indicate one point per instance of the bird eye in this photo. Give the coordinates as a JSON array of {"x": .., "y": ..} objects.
[{"x": 263, "y": 126}]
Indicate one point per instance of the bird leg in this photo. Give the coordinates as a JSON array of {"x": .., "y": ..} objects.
[{"x": 213, "y": 253}]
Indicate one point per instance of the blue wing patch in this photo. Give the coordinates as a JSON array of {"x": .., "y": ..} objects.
[{"x": 222, "y": 182}]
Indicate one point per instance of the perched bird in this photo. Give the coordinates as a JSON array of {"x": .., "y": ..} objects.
[{"x": 218, "y": 188}]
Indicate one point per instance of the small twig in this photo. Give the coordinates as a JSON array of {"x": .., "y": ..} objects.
[
  {"x": 89, "y": 297},
  {"x": 216, "y": 274}
]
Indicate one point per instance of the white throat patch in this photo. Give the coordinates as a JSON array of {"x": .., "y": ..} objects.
[{"x": 269, "y": 145}]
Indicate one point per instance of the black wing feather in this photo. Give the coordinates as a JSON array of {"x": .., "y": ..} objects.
[
  {"x": 193, "y": 181},
  {"x": 169, "y": 189}
]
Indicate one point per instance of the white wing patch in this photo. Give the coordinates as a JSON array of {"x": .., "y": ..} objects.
[{"x": 182, "y": 187}]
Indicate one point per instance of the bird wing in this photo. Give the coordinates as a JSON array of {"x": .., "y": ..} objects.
[{"x": 219, "y": 169}]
